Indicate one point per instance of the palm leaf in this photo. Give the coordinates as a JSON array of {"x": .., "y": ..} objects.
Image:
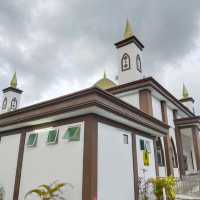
[{"x": 38, "y": 192}]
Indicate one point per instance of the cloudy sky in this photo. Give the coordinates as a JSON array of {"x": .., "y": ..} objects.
[{"x": 61, "y": 46}]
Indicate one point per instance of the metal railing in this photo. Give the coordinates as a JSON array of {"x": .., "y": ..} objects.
[{"x": 189, "y": 185}]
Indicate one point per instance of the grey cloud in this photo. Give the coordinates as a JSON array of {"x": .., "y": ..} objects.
[{"x": 57, "y": 46}]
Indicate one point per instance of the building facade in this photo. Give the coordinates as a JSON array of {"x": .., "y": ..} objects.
[{"x": 102, "y": 140}]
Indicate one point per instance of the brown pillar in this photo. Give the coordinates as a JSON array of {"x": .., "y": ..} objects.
[
  {"x": 167, "y": 142},
  {"x": 19, "y": 166},
  {"x": 145, "y": 99},
  {"x": 196, "y": 142},
  {"x": 179, "y": 145},
  {"x": 90, "y": 158}
]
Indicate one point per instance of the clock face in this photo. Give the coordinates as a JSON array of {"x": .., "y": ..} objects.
[
  {"x": 14, "y": 104},
  {"x": 4, "y": 103},
  {"x": 138, "y": 63},
  {"x": 125, "y": 62}
]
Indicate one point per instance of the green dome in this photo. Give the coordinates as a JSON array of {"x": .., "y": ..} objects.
[{"x": 105, "y": 83}]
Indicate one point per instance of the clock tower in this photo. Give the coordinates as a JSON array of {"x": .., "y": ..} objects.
[
  {"x": 130, "y": 57},
  {"x": 11, "y": 96}
]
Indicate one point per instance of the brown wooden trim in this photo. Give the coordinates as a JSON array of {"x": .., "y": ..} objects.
[
  {"x": 93, "y": 97},
  {"x": 188, "y": 121},
  {"x": 179, "y": 145},
  {"x": 13, "y": 90},
  {"x": 196, "y": 142},
  {"x": 129, "y": 40},
  {"x": 187, "y": 99},
  {"x": 19, "y": 166},
  {"x": 135, "y": 167},
  {"x": 167, "y": 142},
  {"x": 151, "y": 82},
  {"x": 145, "y": 100},
  {"x": 90, "y": 159}
]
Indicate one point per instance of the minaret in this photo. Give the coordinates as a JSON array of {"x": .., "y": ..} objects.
[
  {"x": 11, "y": 96},
  {"x": 130, "y": 57},
  {"x": 187, "y": 100}
]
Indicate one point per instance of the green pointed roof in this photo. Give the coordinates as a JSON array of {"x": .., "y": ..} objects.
[
  {"x": 185, "y": 93},
  {"x": 128, "y": 30},
  {"x": 105, "y": 83},
  {"x": 13, "y": 82}
]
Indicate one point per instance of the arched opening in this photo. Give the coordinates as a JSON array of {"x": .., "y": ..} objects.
[
  {"x": 160, "y": 153},
  {"x": 174, "y": 154}
]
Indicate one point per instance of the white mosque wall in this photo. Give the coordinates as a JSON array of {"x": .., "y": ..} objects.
[
  {"x": 131, "y": 98},
  {"x": 145, "y": 171},
  {"x": 9, "y": 146},
  {"x": 61, "y": 162},
  {"x": 156, "y": 105},
  {"x": 115, "y": 164}
]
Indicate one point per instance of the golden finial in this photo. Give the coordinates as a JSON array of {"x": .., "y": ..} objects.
[
  {"x": 185, "y": 93},
  {"x": 128, "y": 30},
  {"x": 13, "y": 82}
]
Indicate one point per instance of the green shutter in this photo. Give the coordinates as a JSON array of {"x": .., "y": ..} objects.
[
  {"x": 32, "y": 140},
  {"x": 52, "y": 137},
  {"x": 72, "y": 134},
  {"x": 141, "y": 144}
]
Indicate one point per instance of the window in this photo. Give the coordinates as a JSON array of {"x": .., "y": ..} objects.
[
  {"x": 72, "y": 133},
  {"x": 138, "y": 63},
  {"x": 141, "y": 144},
  {"x": 52, "y": 137},
  {"x": 125, "y": 62},
  {"x": 14, "y": 104},
  {"x": 125, "y": 139},
  {"x": 5, "y": 101},
  {"x": 174, "y": 155},
  {"x": 32, "y": 140},
  {"x": 160, "y": 152}
]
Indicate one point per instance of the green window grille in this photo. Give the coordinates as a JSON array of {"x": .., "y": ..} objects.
[
  {"x": 142, "y": 145},
  {"x": 32, "y": 140},
  {"x": 72, "y": 134},
  {"x": 52, "y": 137}
]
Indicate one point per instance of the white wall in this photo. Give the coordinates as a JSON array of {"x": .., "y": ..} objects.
[
  {"x": 130, "y": 98},
  {"x": 156, "y": 108},
  {"x": 9, "y": 146},
  {"x": 150, "y": 171},
  {"x": 115, "y": 164},
  {"x": 44, "y": 164}
]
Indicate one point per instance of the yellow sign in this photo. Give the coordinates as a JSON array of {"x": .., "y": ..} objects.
[{"x": 146, "y": 157}]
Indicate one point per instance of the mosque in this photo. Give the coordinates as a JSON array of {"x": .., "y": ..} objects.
[{"x": 102, "y": 139}]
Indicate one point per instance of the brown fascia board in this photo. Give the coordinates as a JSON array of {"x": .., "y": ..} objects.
[
  {"x": 13, "y": 90},
  {"x": 150, "y": 82},
  {"x": 132, "y": 39},
  {"x": 187, "y": 99},
  {"x": 78, "y": 100},
  {"x": 187, "y": 121}
]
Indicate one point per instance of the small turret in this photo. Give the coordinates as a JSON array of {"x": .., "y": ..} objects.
[
  {"x": 11, "y": 96},
  {"x": 187, "y": 100},
  {"x": 130, "y": 57}
]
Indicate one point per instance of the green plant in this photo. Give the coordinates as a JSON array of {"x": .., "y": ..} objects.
[
  {"x": 168, "y": 184},
  {"x": 49, "y": 192},
  {"x": 158, "y": 185},
  {"x": 170, "y": 188}
]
